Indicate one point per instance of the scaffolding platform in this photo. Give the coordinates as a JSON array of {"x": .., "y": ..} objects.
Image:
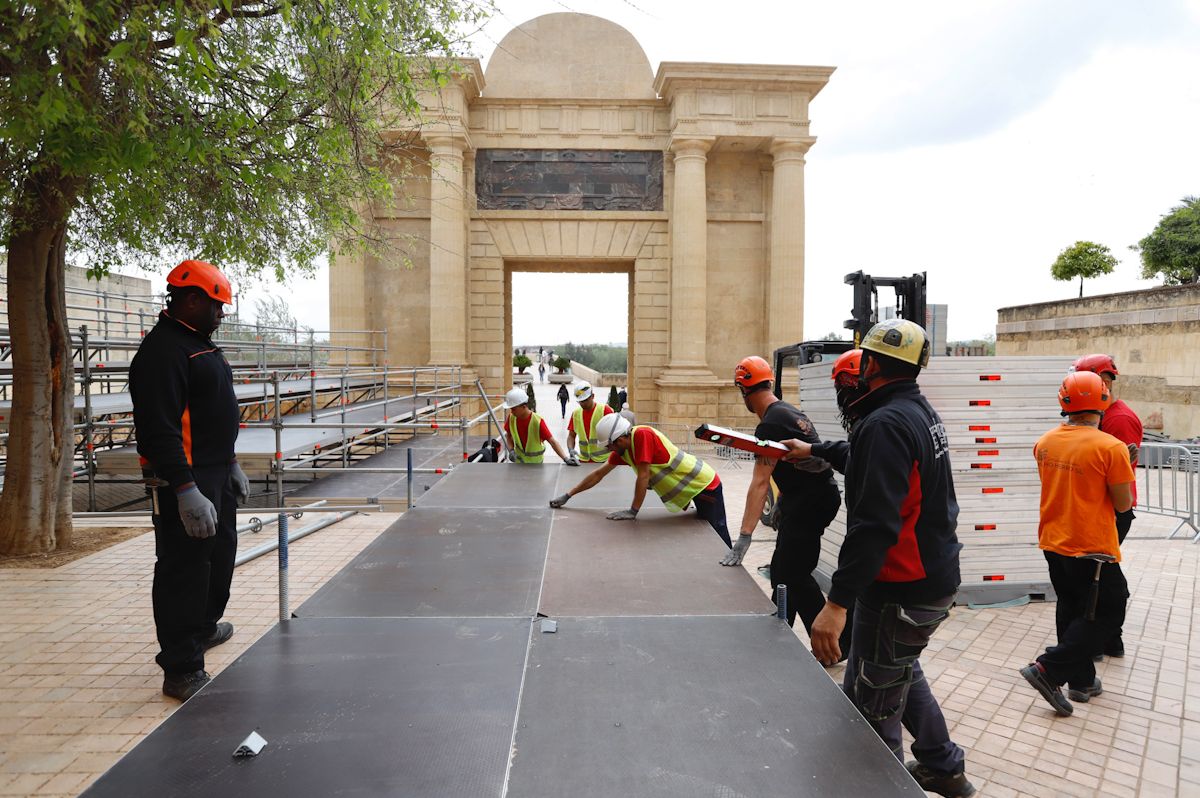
[
  {"x": 256, "y": 449},
  {"x": 425, "y": 668}
]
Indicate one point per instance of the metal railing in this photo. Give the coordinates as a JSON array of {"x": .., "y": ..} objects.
[{"x": 1168, "y": 483}]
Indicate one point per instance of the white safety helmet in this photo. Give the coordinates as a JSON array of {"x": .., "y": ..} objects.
[
  {"x": 583, "y": 392},
  {"x": 515, "y": 398},
  {"x": 611, "y": 427}
]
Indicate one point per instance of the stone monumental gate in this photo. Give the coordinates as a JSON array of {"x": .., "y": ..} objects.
[{"x": 569, "y": 154}]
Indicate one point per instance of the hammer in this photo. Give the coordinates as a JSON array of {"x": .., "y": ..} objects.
[{"x": 1094, "y": 592}]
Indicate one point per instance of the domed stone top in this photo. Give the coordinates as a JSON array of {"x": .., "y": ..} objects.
[{"x": 572, "y": 57}]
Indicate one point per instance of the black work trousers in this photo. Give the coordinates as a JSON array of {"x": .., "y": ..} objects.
[
  {"x": 885, "y": 681},
  {"x": 1124, "y": 522},
  {"x": 1069, "y": 661},
  {"x": 192, "y": 575},
  {"x": 802, "y": 521}
]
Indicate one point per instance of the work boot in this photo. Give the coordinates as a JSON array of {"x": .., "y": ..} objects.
[
  {"x": 1115, "y": 648},
  {"x": 951, "y": 785},
  {"x": 182, "y": 686},
  {"x": 223, "y": 632},
  {"x": 1035, "y": 674},
  {"x": 1087, "y": 693}
]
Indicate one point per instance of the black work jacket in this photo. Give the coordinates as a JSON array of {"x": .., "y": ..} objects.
[
  {"x": 184, "y": 409},
  {"x": 902, "y": 513}
]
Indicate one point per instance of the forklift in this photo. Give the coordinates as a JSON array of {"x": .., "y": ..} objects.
[{"x": 910, "y": 304}]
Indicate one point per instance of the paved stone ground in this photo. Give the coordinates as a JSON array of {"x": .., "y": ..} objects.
[{"x": 79, "y": 687}]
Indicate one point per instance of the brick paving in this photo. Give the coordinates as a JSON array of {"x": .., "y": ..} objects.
[{"x": 79, "y": 687}]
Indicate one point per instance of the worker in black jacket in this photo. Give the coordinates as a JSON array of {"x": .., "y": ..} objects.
[
  {"x": 898, "y": 565},
  {"x": 186, "y": 418}
]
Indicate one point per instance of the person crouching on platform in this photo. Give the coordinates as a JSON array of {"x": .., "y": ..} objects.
[
  {"x": 1086, "y": 478},
  {"x": 582, "y": 427},
  {"x": 808, "y": 497},
  {"x": 526, "y": 438},
  {"x": 676, "y": 476}
]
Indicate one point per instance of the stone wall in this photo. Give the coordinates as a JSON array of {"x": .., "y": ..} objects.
[{"x": 1154, "y": 336}]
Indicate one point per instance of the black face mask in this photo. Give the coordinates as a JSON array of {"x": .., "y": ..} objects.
[{"x": 847, "y": 395}]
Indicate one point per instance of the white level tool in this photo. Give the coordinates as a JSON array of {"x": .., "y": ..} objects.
[{"x": 740, "y": 440}]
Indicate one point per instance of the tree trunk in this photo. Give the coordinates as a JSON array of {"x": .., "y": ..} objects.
[
  {"x": 35, "y": 506},
  {"x": 1081, "y": 287}
]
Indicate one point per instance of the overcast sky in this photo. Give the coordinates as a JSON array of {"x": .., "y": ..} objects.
[{"x": 971, "y": 140}]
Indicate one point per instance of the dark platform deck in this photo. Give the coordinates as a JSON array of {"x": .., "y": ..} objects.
[{"x": 422, "y": 668}]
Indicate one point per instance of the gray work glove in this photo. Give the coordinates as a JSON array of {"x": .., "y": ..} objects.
[
  {"x": 559, "y": 501},
  {"x": 740, "y": 547},
  {"x": 572, "y": 460},
  {"x": 622, "y": 515},
  {"x": 198, "y": 514},
  {"x": 240, "y": 482}
]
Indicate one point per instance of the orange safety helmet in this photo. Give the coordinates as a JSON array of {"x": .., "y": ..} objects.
[
  {"x": 1083, "y": 391},
  {"x": 847, "y": 364},
  {"x": 752, "y": 371},
  {"x": 1098, "y": 364},
  {"x": 202, "y": 275}
]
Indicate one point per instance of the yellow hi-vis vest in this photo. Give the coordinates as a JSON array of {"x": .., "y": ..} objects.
[
  {"x": 679, "y": 479},
  {"x": 531, "y": 450},
  {"x": 591, "y": 450}
]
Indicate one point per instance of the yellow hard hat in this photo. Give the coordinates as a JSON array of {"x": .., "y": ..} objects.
[{"x": 901, "y": 339}]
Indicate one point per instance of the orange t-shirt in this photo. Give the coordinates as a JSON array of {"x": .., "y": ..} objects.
[{"x": 1076, "y": 466}]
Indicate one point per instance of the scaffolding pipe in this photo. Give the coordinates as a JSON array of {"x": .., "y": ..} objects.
[
  {"x": 256, "y": 524},
  {"x": 267, "y": 548}
]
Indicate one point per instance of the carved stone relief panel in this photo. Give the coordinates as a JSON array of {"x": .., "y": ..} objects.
[{"x": 588, "y": 180}]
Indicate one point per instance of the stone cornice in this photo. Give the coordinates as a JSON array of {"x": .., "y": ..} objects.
[
  {"x": 468, "y": 74},
  {"x": 675, "y": 75}
]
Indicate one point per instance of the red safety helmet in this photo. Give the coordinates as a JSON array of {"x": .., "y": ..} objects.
[
  {"x": 1083, "y": 391},
  {"x": 847, "y": 365},
  {"x": 752, "y": 371},
  {"x": 1098, "y": 364},
  {"x": 202, "y": 275}
]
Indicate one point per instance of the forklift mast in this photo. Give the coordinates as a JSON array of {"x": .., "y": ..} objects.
[
  {"x": 910, "y": 304},
  {"x": 910, "y": 300}
]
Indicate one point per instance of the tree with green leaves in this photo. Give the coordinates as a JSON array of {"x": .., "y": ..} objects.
[
  {"x": 1172, "y": 250},
  {"x": 244, "y": 132},
  {"x": 1083, "y": 259},
  {"x": 613, "y": 402}
]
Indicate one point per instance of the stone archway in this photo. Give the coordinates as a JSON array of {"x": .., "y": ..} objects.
[{"x": 572, "y": 154}]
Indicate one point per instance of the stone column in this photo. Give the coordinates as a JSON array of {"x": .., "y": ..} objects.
[
  {"x": 689, "y": 257},
  {"x": 785, "y": 298},
  {"x": 447, "y": 252}
]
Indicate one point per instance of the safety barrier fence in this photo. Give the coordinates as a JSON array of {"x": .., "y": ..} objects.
[{"x": 1168, "y": 483}]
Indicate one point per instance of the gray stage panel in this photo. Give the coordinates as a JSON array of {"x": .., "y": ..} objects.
[
  {"x": 660, "y": 564},
  {"x": 684, "y": 707},
  {"x": 439, "y": 562},
  {"x": 420, "y": 707},
  {"x": 615, "y": 492},
  {"x": 496, "y": 485}
]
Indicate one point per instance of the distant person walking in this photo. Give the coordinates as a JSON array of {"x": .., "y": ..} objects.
[
  {"x": 185, "y": 414},
  {"x": 542, "y": 372},
  {"x": 563, "y": 397}
]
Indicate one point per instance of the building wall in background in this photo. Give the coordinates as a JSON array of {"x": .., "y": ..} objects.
[{"x": 1154, "y": 336}]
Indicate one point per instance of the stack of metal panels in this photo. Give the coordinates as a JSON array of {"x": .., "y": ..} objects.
[{"x": 994, "y": 410}]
